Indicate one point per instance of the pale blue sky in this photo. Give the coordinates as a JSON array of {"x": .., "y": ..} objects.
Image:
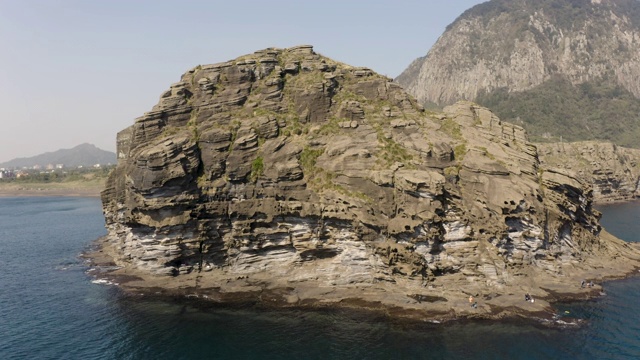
[{"x": 76, "y": 71}]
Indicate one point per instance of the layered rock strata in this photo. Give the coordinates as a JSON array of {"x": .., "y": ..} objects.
[
  {"x": 286, "y": 171},
  {"x": 613, "y": 171}
]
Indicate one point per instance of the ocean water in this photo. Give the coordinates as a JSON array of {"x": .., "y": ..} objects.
[{"x": 50, "y": 309}]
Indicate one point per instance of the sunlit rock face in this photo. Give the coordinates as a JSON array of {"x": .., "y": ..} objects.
[{"x": 519, "y": 45}]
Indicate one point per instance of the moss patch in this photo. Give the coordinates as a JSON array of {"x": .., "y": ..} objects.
[{"x": 257, "y": 169}]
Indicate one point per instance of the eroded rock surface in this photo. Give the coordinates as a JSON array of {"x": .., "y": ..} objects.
[
  {"x": 613, "y": 171},
  {"x": 284, "y": 169}
]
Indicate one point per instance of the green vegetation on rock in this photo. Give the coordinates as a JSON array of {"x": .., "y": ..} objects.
[
  {"x": 308, "y": 158},
  {"x": 451, "y": 128},
  {"x": 459, "y": 151},
  {"x": 257, "y": 168}
]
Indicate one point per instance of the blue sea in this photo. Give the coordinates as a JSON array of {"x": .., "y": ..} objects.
[{"x": 50, "y": 309}]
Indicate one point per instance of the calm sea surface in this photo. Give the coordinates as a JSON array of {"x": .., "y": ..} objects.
[{"x": 49, "y": 309}]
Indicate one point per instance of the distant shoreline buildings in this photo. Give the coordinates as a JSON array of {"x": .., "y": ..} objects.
[
  {"x": 26, "y": 171},
  {"x": 7, "y": 174}
]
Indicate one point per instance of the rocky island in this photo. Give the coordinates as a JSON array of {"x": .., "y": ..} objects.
[{"x": 285, "y": 178}]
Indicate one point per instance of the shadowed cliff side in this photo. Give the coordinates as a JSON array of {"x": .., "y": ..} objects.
[{"x": 286, "y": 171}]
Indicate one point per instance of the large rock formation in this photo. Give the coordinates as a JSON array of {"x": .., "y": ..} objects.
[
  {"x": 557, "y": 67},
  {"x": 613, "y": 171},
  {"x": 287, "y": 170}
]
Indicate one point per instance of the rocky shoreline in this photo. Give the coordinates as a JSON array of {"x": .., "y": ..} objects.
[{"x": 439, "y": 302}]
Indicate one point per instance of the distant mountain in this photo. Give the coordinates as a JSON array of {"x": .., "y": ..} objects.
[
  {"x": 563, "y": 69},
  {"x": 81, "y": 155}
]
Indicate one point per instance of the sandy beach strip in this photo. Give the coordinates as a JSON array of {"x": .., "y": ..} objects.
[{"x": 57, "y": 189}]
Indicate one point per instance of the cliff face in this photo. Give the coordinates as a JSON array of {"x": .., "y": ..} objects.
[
  {"x": 291, "y": 167},
  {"x": 520, "y": 44},
  {"x": 613, "y": 171}
]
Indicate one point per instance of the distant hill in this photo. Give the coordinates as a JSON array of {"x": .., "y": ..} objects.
[
  {"x": 81, "y": 155},
  {"x": 562, "y": 69}
]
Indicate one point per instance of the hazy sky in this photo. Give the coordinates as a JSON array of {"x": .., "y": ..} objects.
[{"x": 75, "y": 71}]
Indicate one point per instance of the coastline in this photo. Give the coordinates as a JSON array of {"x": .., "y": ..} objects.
[
  {"x": 442, "y": 301},
  {"x": 40, "y": 190}
]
